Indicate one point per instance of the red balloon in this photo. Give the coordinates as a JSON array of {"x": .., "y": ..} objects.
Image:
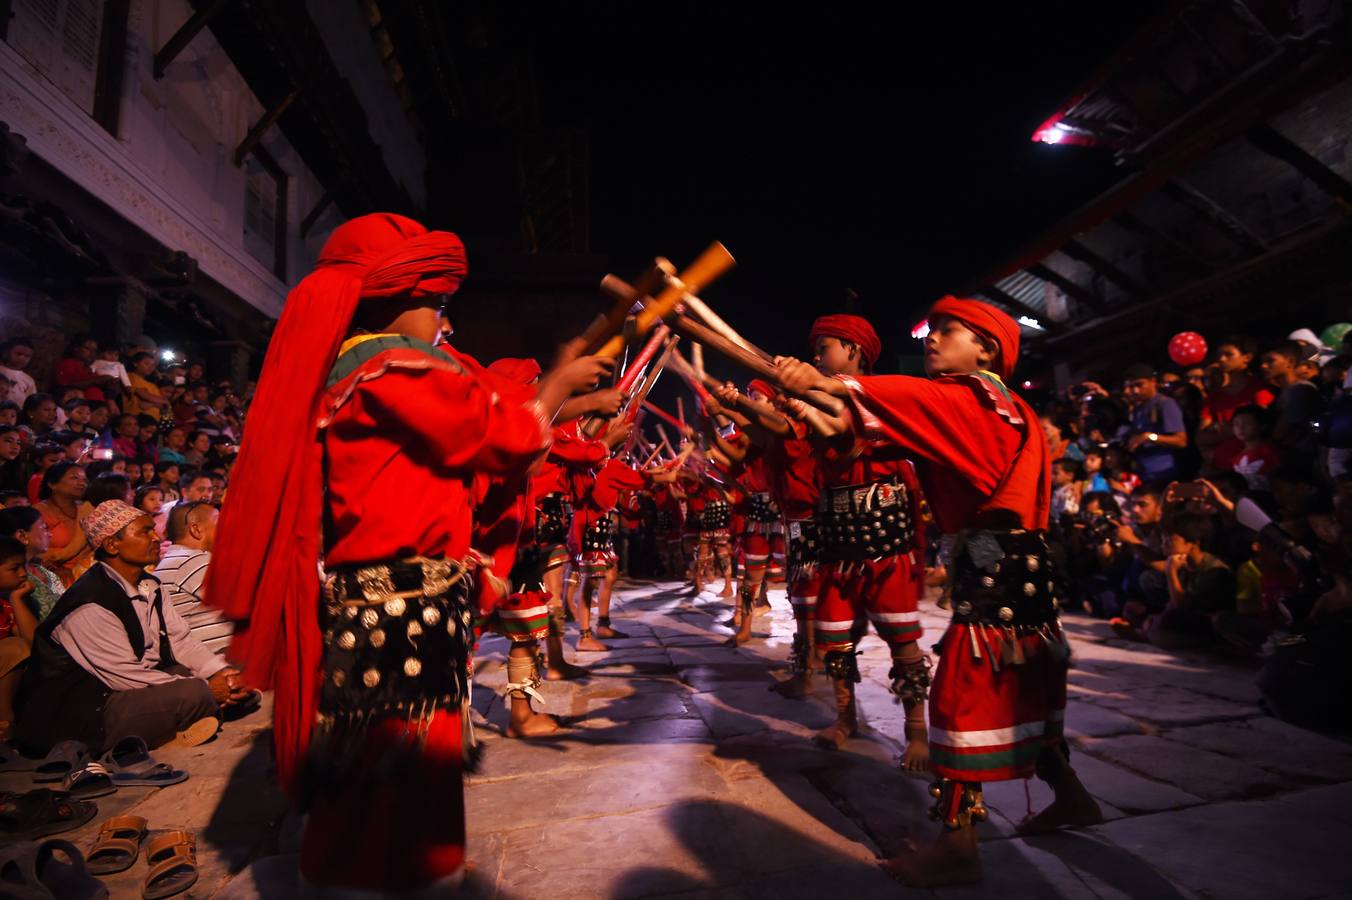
[{"x": 1187, "y": 348}]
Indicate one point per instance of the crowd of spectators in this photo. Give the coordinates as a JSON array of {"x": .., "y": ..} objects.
[
  {"x": 131, "y": 436},
  {"x": 1211, "y": 507}
]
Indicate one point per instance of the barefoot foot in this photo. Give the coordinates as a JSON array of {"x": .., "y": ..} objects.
[
  {"x": 610, "y": 634},
  {"x": 916, "y": 757},
  {"x": 952, "y": 859},
  {"x": 564, "y": 671},
  {"x": 834, "y": 736},
  {"x": 534, "y": 725},
  {"x": 590, "y": 645},
  {"x": 1072, "y": 808},
  {"x": 796, "y": 687}
]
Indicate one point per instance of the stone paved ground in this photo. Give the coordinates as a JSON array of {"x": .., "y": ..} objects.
[{"x": 684, "y": 777}]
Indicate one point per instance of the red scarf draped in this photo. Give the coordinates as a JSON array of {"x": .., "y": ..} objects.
[{"x": 264, "y": 570}]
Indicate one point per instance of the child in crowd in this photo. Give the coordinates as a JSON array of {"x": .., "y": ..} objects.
[
  {"x": 150, "y": 499},
  {"x": 43, "y": 457},
  {"x": 167, "y": 479},
  {"x": 9, "y": 412},
  {"x": 17, "y": 625}
]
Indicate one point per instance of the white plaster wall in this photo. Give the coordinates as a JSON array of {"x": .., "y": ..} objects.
[{"x": 170, "y": 169}]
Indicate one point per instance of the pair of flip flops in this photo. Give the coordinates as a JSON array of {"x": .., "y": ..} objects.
[
  {"x": 38, "y": 871},
  {"x": 171, "y": 856},
  {"x": 127, "y": 764},
  {"x": 41, "y": 812}
]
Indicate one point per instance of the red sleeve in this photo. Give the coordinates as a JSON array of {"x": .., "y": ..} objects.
[
  {"x": 69, "y": 371},
  {"x": 943, "y": 422},
  {"x": 456, "y": 419},
  {"x": 575, "y": 451}
]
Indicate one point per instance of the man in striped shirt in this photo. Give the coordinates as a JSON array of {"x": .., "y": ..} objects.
[{"x": 182, "y": 569}]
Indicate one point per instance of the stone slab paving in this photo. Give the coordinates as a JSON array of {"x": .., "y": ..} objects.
[{"x": 680, "y": 775}]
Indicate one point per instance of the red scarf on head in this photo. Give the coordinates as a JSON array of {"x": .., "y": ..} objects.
[
  {"x": 855, "y": 329},
  {"x": 264, "y": 569},
  {"x": 991, "y": 323},
  {"x": 762, "y": 387}
]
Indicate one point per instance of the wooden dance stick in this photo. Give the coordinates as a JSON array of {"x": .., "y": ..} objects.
[
  {"x": 747, "y": 359},
  {"x": 680, "y": 410},
  {"x": 712, "y": 263},
  {"x": 747, "y": 405},
  {"x": 634, "y": 405},
  {"x": 611, "y": 321},
  {"x": 616, "y": 287},
  {"x": 701, "y": 311}
]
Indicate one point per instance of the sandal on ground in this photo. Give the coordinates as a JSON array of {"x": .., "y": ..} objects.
[
  {"x": 118, "y": 845},
  {"x": 11, "y": 760},
  {"x": 41, "y": 812},
  {"x": 63, "y": 759},
  {"x": 172, "y": 858},
  {"x": 131, "y": 765},
  {"x": 89, "y": 781},
  {"x": 33, "y": 871},
  {"x": 197, "y": 733}
]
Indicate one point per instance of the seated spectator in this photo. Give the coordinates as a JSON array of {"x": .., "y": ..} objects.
[
  {"x": 1067, "y": 476},
  {"x": 43, "y": 457},
  {"x": 26, "y": 525},
  {"x": 114, "y": 659},
  {"x": 1095, "y": 479},
  {"x": 1200, "y": 586},
  {"x": 1249, "y": 452},
  {"x": 183, "y": 570},
  {"x": 78, "y": 413},
  {"x": 12, "y": 474},
  {"x": 76, "y": 370},
  {"x": 1233, "y": 383},
  {"x": 126, "y": 429},
  {"x": 98, "y": 419},
  {"x": 199, "y": 444},
  {"x": 39, "y": 417},
  {"x": 63, "y": 507},
  {"x": 75, "y": 445},
  {"x": 1143, "y": 591},
  {"x": 144, "y": 395},
  {"x": 175, "y": 445},
  {"x": 148, "y": 475},
  {"x": 147, "y": 439},
  {"x": 1263, "y": 584},
  {"x": 109, "y": 486},
  {"x": 167, "y": 476},
  {"x": 1158, "y": 431},
  {"x": 149, "y": 499},
  {"x": 1298, "y": 401},
  {"x": 17, "y": 626},
  {"x": 15, "y": 355},
  {"x": 109, "y": 363},
  {"x": 9, "y": 413},
  {"x": 13, "y": 498}
]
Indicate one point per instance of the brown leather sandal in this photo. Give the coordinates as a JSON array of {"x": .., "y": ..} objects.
[
  {"x": 117, "y": 846},
  {"x": 172, "y": 858}
]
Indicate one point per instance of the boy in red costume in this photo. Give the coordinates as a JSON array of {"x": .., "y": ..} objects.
[
  {"x": 363, "y": 446},
  {"x": 868, "y": 529},
  {"x": 998, "y": 703}
]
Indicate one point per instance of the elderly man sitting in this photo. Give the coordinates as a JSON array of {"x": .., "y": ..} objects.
[{"x": 113, "y": 658}]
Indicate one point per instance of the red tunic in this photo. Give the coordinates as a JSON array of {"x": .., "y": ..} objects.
[
  {"x": 979, "y": 463},
  {"x": 792, "y": 468}
]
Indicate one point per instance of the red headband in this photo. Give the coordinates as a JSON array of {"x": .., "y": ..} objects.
[
  {"x": 990, "y": 323},
  {"x": 854, "y": 329},
  {"x": 762, "y": 387}
]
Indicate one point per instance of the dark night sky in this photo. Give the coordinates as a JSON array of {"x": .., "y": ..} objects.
[{"x": 879, "y": 149}]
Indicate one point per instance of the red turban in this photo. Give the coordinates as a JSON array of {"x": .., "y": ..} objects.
[
  {"x": 522, "y": 371},
  {"x": 762, "y": 387},
  {"x": 854, "y": 329},
  {"x": 264, "y": 571},
  {"x": 990, "y": 323}
]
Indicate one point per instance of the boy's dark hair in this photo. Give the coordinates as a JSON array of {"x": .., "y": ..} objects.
[
  {"x": 1290, "y": 349},
  {"x": 6, "y": 429},
  {"x": 16, "y": 518},
  {"x": 137, "y": 357},
  {"x": 10, "y": 404},
  {"x": 71, "y": 405},
  {"x": 65, "y": 438},
  {"x": 146, "y": 489},
  {"x": 45, "y": 448},
  {"x": 166, "y": 465},
  {"x": 1195, "y": 529},
  {"x": 144, "y": 420},
  {"x": 1106, "y": 501},
  {"x": 10, "y": 547},
  {"x": 1260, "y": 415},
  {"x": 1241, "y": 342},
  {"x": 1073, "y": 466},
  {"x": 107, "y": 486},
  {"x": 15, "y": 342}
]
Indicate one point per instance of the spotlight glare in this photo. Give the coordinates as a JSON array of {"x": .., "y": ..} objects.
[
  {"x": 167, "y": 356},
  {"x": 1031, "y": 323}
]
